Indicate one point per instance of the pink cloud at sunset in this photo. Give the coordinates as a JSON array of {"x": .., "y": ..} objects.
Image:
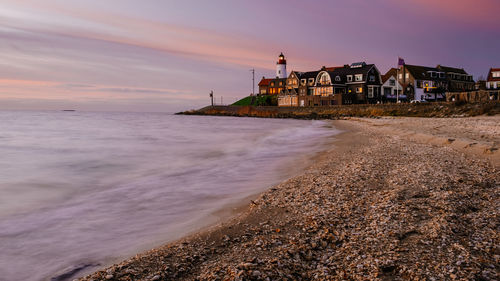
[{"x": 191, "y": 49}]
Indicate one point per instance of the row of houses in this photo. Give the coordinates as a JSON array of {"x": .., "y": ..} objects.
[{"x": 359, "y": 83}]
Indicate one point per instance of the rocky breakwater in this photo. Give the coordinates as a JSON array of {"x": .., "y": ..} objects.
[
  {"x": 428, "y": 109},
  {"x": 376, "y": 207}
]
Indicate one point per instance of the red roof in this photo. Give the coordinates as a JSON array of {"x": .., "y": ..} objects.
[
  {"x": 265, "y": 82},
  {"x": 490, "y": 75}
]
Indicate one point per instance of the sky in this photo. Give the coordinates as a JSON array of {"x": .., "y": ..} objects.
[{"x": 166, "y": 56}]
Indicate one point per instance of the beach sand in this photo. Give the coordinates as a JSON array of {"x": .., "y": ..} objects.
[{"x": 394, "y": 199}]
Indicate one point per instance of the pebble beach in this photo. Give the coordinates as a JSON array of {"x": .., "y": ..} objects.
[{"x": 392, "y": 199}]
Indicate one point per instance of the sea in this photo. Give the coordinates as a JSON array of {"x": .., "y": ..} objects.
[{"x": 82, "y": 190}]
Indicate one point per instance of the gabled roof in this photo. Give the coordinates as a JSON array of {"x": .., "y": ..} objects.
[
  {"x": 448, "y": 69},
  {"x": 265, "y": 82},
  {"x": 421, "y": 72},
  {"x": 391, "y": 72},
  {"x": 490, "y": 75}
]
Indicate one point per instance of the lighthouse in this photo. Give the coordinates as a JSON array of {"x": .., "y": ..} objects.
[{"x": 281, "y": 67}]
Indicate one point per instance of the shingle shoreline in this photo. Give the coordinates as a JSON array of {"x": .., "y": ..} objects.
[{"x": 378, "y": 206}]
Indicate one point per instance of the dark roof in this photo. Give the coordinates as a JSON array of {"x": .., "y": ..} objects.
[
  {"x": 309, "y": 74},
  {"x": 451, "y": 69},
  {"x": 391, "y": 72},
  {"x": 421, "y": 72},
  {"x": 264, "y": 82},
  {"x": 490, "y": 75},
  {"x": 347, "y": 70}
]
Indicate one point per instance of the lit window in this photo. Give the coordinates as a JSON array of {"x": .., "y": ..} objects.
[
  {"x": 359, "y": 90},
  {"x": 303, "y": 81},
  {"x": 400, "y": 76},
  {"x": 325, "y": 79},
  {"x": 407, "y": 76}
]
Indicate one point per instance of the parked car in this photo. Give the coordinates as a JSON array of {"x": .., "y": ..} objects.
[{"x": 417, "y": 101}]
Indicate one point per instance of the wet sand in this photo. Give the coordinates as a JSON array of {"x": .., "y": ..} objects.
[{"x": 394, "y": 199}]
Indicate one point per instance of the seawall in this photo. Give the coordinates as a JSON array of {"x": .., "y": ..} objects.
[{"x": 457, "y": 109}]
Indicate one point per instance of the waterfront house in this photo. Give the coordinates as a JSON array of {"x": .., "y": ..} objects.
[
  {"x": 264, "y": 86},
  {"x": 458, "y": 80},
  {"x": 422, "y": 83},
  {"x": 493, "y": 80},
  {"x": 363, "y": 81},
  {"x": 392, "y": 90},
  {"x": 307, "y": 80},
  {"x": 348, "y": 84},
  {"x": 289, "y": 97}
]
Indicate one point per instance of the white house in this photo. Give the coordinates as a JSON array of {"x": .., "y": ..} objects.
[
  {"x": 493, "y": 81},
  {"x": 391, "y": 89}
]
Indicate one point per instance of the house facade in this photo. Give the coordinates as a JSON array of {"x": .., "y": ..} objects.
[
  {"x": 422, "y": 83},
  {"x": 391, "y": 90},
  {"x": 493, "y": 80},
  {"x": 458, "y": 80},
  {"x": 264, "y": 86},
  {"x": 348, "y": 84}
]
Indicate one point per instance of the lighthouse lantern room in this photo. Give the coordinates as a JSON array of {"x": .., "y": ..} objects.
[{"x": 281, "y": 67}]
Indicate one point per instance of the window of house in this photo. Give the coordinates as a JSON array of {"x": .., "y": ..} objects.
[
  {"x": 359, "y": 90},
  {"x": 324, "y": 79},
  {"x": 496, "y": 74},
  {"x": 392, "y": 82},
  {"x": 281, "y": 83},
  {"x": 337, "y": 78},
  {"x": 370, "y": 92},
  {"x": 358, "y": 77},
  {"x": 441, "y": 75},
  {"x": 349, "y": 78},
  {"x": 433, "y": 74},
  {"x": 372, "y": 78},
  {"x": 407, "y": 76},
  {"x": 311, "y": 80},
  {"x": 272, "y": 83},
  {"x": 401, "y": 76}
]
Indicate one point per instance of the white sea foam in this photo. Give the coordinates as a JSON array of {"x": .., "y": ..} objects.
[{"x": 89, "y": 188}]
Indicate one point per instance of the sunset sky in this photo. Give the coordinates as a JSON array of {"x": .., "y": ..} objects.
[{"x": 161, "y": 55}]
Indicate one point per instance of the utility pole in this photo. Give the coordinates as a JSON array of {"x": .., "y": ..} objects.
[
  {"x": 253, "y": 81},
  {"x": 212, "y": 97}
]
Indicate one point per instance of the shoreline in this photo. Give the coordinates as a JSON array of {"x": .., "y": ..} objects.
[{"x": 286, "y": 230}]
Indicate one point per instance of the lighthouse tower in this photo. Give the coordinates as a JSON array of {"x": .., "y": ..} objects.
[{"x": 281, "y": 67}]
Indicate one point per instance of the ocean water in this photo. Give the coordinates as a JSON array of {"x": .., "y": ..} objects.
[{"x": 81, "y": 190}]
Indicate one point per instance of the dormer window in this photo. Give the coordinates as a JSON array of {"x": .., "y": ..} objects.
[
  {"x": 433, "y": 74},
  {"x": 303, "y": 81},
  {"x": 349, "y": 78},
  {"x": 337, "y": 78},
  {"x": 325, "y": 79},
  {"x": 441, "y": 75},
  {"x": 372, "y": 78},
  {"x": 272, "y": 83},
  {"x": 358, "y": 77},
  {"x": 495, "y": 74}
]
